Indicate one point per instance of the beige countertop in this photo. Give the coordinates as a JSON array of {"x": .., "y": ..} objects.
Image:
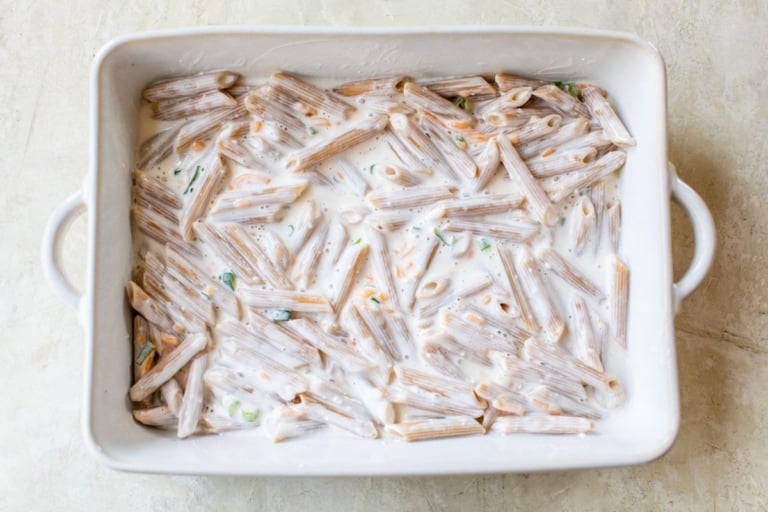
[{"x": 718, "y": 118}]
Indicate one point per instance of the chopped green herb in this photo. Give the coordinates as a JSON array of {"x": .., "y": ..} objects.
[
  {"x": 357, "y": 241},
  {"x": 461, "y": 138},
  {"x": 144, "y": 353},
  {"x": 233, "y": 408},
  {"x": 228, "y": 278},
  {"x": 291, "y": 229},
  {"x": 205, "y": 295},
  {"x": 279, "y": 315},
  {"x": 440, "y": 236},
  {"x": 176, "y": 171},
  {"x": 250, "y": 416},
  {"x": 562, "y": 221},
  {"x": 335, "y": 179},
  {"x": 571, "y": 88},
  {"x": 198, "y": 169},
  {"x": 416, "y": 228},
  {"x": 375, "y": 299},
  {"x": 312, "y": 130},
  {"x": 463, "y": 103},
  {"x": 371, "y": 168},
  {"x": 558, "y": 83},
  {"x": 484, "y": 244}
]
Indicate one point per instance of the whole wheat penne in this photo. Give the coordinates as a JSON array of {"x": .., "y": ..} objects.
[
  {"x": 225, "y": 249},
  {"x": 351, "y": 177},
  {"x": 474, "y": 87},
  {"x": 147, "y": 306},
  {"x": 388, "y": 220},
  {"x": 346, "y": 271},
  {"x": 457, "y": 391},
  {"x": 379, "y": 329},
  {"x": 190, "y": 85},
  {"x": 539, "y": 296},
  {"x": 450, "y": 146},
  {"x": 372, "y": 341},
  {"x": 276, "y": 250},
  {"x": 542, "y": 424},
  {"x": 518, "y": 375},
  {"x": 285, "y": 299},
  {"x": 252, "y": 252},
  {"x": 399, "y": 330},
  {"x": 488, "y": 162},
  {"x": 600, "y": 168},
  {"x": 433, "y": 287},
  {"x": 306, "y": 223},
  {"x": 280, "y": 138},
  {"x": 399, "y": 175},
  {"x": 265, "y": 373},
  {"x": 512, "y": 98},
  {"x": 421, "y": 98},
  {"x": 184, "y": 270},
  {"x": 506, "y": 119},
  {"x": 146, "y": 204},
  {"x": 516, "y": 287},
  {"x": 257, "y": 103},
  {"x": 403, "y": 153},
  {"x": 515, "y": 230},
  {"x": 238, "y": 152},
  {"x": 560, "y": 361},
  {"x": 420, "y": 145},
  {"x": 475, "y": 336},
  {"x": 561, "y": 101},
  {"x": 155, "y": 191},
  {"x": 536, "y": 128},
  {"x": 421, "y": 264},
  {"x": 434, "y": 356},
  {"x": 374, "y": 398},
  {"x": 597, "y": 194},
  {"x": 409, "y": 198},
  {"x": 144, "y": 350},
  {"x": 568, "y": 273},
  {"x": 566, "y": 161},
  {"x": 334, "y": 242},
  {"x": 311, "y": 95},
  {"x": 160, "y": 416},
  {"x": 558, "y": 139},
  {"x": 508, "y": 81},
  {"x": 336, "y": 398},
  {"x": 320, "y": 412},
  {"x": 309, "y": 256},
  {"x": 206, "y": 124},
  {"x": 202, "y": 193},
  {"x": 190, "y": 300},
  {"x": 459, "y": 292},
  {"x": 585, "y": 346},
  {"x": 287, "y": 354},
  {"x": 583, "y": 224},
  {"x": 499, "y": 321},
  {"x": 283, "y": 338},
  {"x": 287, "y": 423},
  {"x": 192, "y": 402},
  {"x": 343, "y": 354},
  {"x": 451, "y": 426},
  {"x": 501, "y": 398},
  {"x": 173, "y": 110},
  {"x": 418, "y": 398},
  {"x": 168, "y": 366},
  {"x": 371, "y": 87},
  {"x": 613, "y": 215},
  {"x": 537, "y": 200},
  {"x": 160, "y": 229},
  {"x": 156, "y": 148},
  {"x": 619, "y": 278},
  {"x": 543, "y": 398},
  {"x": 604, "y": 114},
  {"x": 172, "y": 395},
  {"x": 382, "y": 266}
]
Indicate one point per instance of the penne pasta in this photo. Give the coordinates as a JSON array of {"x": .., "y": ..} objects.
[
  {"x": 501, "y": 398},
  {"x": 409, "y": 198},
  {"x": 160, "y": 416},
  {"x": 252, "y": 252},
  {"x": 351, "y": 177},
  {"x": 421, "y": 98},
  {"x": 158, "y": 194},
  {"x": 190, "y": 85},
  {"x": 560, "y": 361},
  {"x": 192, "y": 403},
  {"x": 340, "y": 352},
  {"x": 474, "y": 87},
  {"x": 585, "y": 345},
  {"x": 160, "y": 229},
  {"x": 458, "y": 293},
  {"x": 304, "y": 92},
  {"x": 202, "y": 194},
  {"x": 542, "y": 424},
  {"x": 559, "y": 139},
  {"x": 436, "y": 428},
  {"x": 603, "y": 113},
  {"x": 539, "y": 296},
  {"x": 147, "y": 306},
  {"x": 321, "y": 412},
  {"x": 583, "y": 224},
  {"x": 451, "y": 147},
  {"x": 561, "y": 101},
  {"x": 421, "y": 265},
  {"x": 346, "y": 270},
  {"x": 226, "y": 250},
  {"x": 620, "y": 300},
  {"x": 205, "y": 125},
  {"x": 537, "y": 201},
  {"x": 422, "y": 149},
  {"x": 507, "y": 81},
  {"x": 600, "y": 168},
  {"x": 613, "y": 215},
  {"x": 258, "y": 104},
  {"x": 172, "y": 395},
  {"x": 569, "y": 161},
  {"x": 568, "y": 273},
  {"x": 173, "y": 110},
  {"x": 388, "y": 220},
  {"x": 382, "y": 267},
  {"x": 285, "y": 299},
  {"x": 309, "y": 256},
  {"x": 488, "y": 162},
  {"x": 515, "y": 230},
  {"x": 372, "y": 87}
]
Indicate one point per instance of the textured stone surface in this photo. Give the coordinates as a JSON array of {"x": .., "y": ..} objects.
[{"x": 718, "y": 118}]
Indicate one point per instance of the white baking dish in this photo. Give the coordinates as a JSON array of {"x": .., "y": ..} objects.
[{"x": 631, "y": 69}]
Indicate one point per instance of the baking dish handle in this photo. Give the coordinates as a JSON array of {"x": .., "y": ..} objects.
[
  {"x": 704, "y": 236},
  {"x": 62, "y": 217}
]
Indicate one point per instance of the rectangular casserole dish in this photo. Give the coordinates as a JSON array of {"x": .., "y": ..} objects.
[{"x": 642, "y": 429}]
